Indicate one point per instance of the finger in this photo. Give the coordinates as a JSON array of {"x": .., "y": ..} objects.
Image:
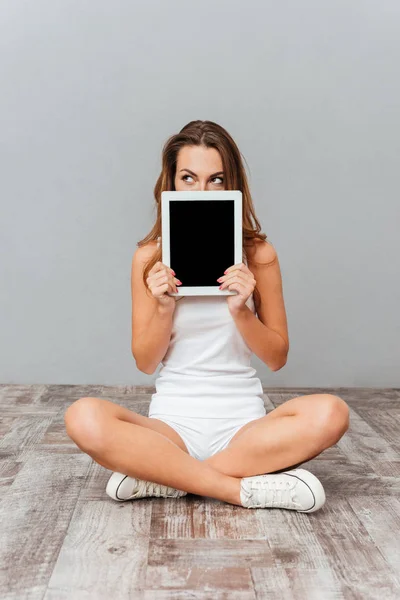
[
  {"x": 157, "y": 278},
  {"x": 238, "y": 267},
  {"x": 161, "y": 280},
  {"x": 238, "y": 287},
  {"x": 159, "y": 290},
  {"x": 156, "y": 267},
  {"x": 163, "y": 288},
  {"x": 161, "y": 274},
  {"x": 159, "y": 266},
  {"x": 171, "y": 284},
  {"x": 238, "y": 276}
]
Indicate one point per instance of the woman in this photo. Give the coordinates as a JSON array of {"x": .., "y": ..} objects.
[{"x": 207, "y": 432}]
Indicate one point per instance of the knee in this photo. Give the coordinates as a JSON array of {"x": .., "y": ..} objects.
[
  {"x": 333, "y": 418},
  {"x": 83, "y": 423}
]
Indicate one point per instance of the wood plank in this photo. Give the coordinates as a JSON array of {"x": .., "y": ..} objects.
[
  {"x": 386, "y": 423},
  {"x": 35, "y": 513},
  {"x": 203, "y": 552},
  {"x": 382, "y": 521},
  {"x": 363, "y": 443},
  {"x": 18, "y": 443},
  {"x": 297, "y": 584},
  {"x": 199, "y": 582},
  {"x": 352, "y": 553},
  {"x": 104, "y": 553}
]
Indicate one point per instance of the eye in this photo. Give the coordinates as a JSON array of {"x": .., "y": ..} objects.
[{"x": 214, "y": 178}]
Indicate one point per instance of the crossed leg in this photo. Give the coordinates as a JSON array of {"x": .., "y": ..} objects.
[
  {"x": 296, "y": 431},
  {"x": 138, "y": 446}
]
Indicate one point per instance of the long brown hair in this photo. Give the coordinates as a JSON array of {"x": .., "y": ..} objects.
[{"x": 210, "y": 135}]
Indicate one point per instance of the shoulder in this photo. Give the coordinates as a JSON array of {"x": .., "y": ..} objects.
[
  {"x": 263, "y": 254},
  {"x": 145, "y": 252}
]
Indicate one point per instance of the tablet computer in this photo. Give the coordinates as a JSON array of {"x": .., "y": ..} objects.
[{"x": 201, "y": 237}]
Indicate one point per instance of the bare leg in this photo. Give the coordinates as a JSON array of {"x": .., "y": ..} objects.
[
  {"x": 144, "y": 453},
  {"x": 295, "y": 432}
]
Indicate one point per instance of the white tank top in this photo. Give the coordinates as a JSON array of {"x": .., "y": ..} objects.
[{"x": 206, "y": 370}]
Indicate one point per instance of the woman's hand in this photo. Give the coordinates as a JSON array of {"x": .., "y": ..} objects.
[
  {"x": 238, "y": 278},
  {"x": 160, "y": 282}
]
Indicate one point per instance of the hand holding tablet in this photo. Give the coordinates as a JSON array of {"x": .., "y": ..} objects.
[
  {"x": 241, "y": 279},
  {"x": 160, "y": 281}
]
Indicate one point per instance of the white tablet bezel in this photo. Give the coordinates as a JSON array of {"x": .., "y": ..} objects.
[{"x": 234, "y": 195}]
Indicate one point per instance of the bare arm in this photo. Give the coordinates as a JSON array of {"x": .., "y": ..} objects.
[
  {"x": 267, "y": 336},
  {"x": 152, "y": 345},
  {"x": 151, "y": 321}
]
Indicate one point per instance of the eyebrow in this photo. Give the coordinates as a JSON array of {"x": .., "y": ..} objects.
[{"x": 191, "y": 172}]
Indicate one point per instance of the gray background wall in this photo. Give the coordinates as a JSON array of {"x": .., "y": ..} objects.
[{"x": 90, "y": 90}]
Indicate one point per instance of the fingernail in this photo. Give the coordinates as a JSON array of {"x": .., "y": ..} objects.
[{"x": 173, "y": 272}]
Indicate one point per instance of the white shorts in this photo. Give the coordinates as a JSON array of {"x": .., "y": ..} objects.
[{"x": 204, "y": 436}]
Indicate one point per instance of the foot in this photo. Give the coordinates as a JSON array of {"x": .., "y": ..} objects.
[
  {"x": 121, "y": 487},
  {"x": 295, "y": 489}
]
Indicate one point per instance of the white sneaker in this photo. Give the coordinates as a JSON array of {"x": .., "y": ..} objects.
[
  {"x": 295, "y": 489},
  {"x": 121, "y": 487}
]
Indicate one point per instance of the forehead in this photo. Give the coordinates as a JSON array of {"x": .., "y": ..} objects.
[{"x": 199, "y": 158}]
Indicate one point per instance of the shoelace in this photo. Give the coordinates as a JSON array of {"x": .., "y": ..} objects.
[
  {"x": 153, "y": 489},
  {"x": 274, "y": 493}
]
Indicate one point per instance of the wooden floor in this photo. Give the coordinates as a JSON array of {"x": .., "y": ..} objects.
[{"x": 62, "y": 537}]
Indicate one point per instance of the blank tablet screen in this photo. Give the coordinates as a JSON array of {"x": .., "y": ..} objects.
[{"x": 202, "y": 240}]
